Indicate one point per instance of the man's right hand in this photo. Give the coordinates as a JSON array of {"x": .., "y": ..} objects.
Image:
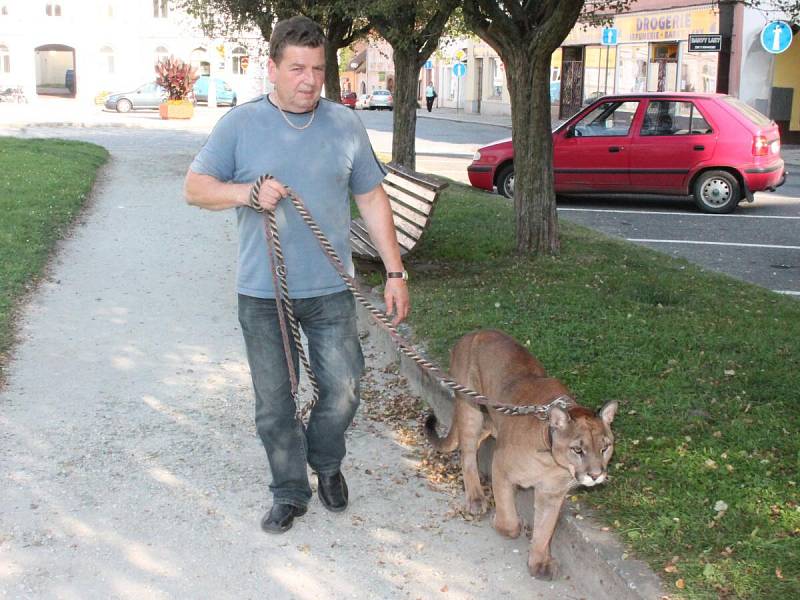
[{"x": 270, "y": 194}]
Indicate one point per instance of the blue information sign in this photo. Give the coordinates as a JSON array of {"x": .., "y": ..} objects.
[
  {"x": 459, "y": 69},
  {"x": 776, "y": 37},
  {"x": 610, "y": 35},
  {"x": 428, "y": 64}
]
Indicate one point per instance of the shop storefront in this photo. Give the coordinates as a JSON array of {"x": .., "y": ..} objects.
[{"x": 651, "y": 55}]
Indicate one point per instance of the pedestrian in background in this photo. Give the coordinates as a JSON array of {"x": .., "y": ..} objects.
[
  {"x": 321, "y": 150},
  {"x": 430, "y": 96}
]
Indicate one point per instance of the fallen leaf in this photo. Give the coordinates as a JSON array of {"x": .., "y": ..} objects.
[
  {"x": 444, "y": 589},
  {"x": 778, "y": 573},
  {"x": 680, "y": 584},
  {"x": 671, "y": 569}
]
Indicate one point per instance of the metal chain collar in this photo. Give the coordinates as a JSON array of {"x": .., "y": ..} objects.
[{"x": 539, "y": 410}]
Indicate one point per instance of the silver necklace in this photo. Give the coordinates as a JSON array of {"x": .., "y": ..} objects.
[{"x": 292, "y": 125}]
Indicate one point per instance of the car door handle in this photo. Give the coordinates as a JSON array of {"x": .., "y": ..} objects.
[
  {"x": 616, "y": 148},
  {"x": 698, "y": 148}
]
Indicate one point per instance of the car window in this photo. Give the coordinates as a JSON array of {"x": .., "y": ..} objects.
[
  {"x": 669, "y": 117},
  {"x": 751, "y": 113},
  {"x": 608, "y": 119}
]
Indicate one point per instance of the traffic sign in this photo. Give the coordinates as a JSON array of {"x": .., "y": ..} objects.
[
  {"x": 610, "y": 35},
  {"x": 428, "y": 64},
  {"x": 461, "y": 55},
  {"x": 459, "y": 69},
  {"x": 776, "y": 37}
]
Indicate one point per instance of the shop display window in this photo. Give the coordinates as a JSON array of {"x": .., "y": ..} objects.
[
  {"x": 631, "y": 68},
  {"x": 698, "y": 71}
]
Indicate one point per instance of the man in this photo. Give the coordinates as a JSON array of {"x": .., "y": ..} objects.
[
  {"x": 321, "y": 150},
  {"x": 430, "y": 96}
]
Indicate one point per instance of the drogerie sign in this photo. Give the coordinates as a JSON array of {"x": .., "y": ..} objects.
[{"x": 705, "y": 42}]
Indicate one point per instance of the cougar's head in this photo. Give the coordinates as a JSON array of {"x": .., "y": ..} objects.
[{"x": 583, "y": 442}]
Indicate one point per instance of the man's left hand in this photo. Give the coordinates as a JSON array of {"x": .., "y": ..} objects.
[{"x": 395, "y": 294}]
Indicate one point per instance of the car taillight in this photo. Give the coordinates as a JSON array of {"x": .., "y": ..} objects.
[
  {"x": 390, "y": 98},
  {"x": 760, "y": 146}
]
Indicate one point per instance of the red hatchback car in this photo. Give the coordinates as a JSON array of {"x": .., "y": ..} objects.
[
  {"x": 710, "y": 146},
  {"x": 349, "y": 100}
]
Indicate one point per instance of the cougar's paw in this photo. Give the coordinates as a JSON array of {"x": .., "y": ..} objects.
[
  {"x": 509, "y": 530},
  {"x": 477, "y": 506},
  {"x": 545, "y": 570}
]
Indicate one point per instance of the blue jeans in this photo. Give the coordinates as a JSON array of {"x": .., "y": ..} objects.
[{"x": 334, "y": 351}]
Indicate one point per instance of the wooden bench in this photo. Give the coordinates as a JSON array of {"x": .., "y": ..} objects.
[{"x": 413, "y": 197}]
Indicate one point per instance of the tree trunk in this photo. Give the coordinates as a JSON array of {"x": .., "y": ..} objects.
[
  {"x": 333, "y": 91},
  {"x": 406, "y": 73},
  {"x": 534, "y": 195}
]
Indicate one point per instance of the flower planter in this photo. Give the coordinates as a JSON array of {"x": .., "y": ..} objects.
[{"x": 176, "y": 109}]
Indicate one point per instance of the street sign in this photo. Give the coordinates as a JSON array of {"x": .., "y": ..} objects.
[
  {"x": 610, "y": 35},
  {"x": 428, "y": 64},
  {"x": 701, "y": 42},
  {"x": 776, "y": 37},
  {"x": 461, "y": 55},
  {"x": 459, "y": 69}
]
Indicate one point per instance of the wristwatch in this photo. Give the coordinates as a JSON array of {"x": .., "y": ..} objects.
[{"x": 398, "y": 275}]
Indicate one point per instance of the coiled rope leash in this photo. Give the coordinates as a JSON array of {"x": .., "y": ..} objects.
[{"x": 282, "y": 297}]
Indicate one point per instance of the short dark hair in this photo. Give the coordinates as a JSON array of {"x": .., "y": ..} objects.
[{"x": 295, "y": 31}]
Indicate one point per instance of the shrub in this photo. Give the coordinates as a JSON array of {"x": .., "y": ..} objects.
[{"x": 176, "y": 76}]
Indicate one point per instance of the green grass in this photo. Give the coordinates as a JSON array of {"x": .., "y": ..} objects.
[
  {"x": 43, "y": 185},
  {"x": 706, "y": 368}
]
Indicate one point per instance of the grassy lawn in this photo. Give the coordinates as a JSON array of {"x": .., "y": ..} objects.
[
  {"x": 43, "y": 185},
  {"x": 706, "y": 368}
]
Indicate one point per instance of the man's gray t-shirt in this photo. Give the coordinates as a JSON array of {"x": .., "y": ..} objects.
[{"x": 322, "y": 164}]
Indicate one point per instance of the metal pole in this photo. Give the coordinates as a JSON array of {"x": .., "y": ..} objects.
[
  {"x": 458, "y": 93},
  {"x": 605, "y": 85}
]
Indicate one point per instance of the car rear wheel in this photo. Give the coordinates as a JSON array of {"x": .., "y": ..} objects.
[
  {"x": 717, "y": 192},
  {"x": 124, "y": 105},
  {"x": 505, "y": 181}
]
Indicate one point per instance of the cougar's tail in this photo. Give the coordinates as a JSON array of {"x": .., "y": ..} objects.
[{"x": 445, "y": 444}]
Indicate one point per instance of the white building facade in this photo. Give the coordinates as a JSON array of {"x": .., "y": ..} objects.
[{"x": 82, "y": 48}]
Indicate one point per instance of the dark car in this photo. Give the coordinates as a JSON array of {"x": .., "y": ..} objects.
[
  {"x": 349, "y": 100},
  {"x": 713, "y": 147},
  {"x": 150, "y": 95}
]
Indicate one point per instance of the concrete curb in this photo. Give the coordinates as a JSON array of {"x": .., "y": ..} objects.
[{"x": 585, "y": 552}]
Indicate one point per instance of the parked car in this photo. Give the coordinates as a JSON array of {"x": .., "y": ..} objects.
[
  {"x": 149, "y": 95},
  {"x": 381, "y": 99},
  {"x": 349, "y": 99},
  {"x": 362, "y": 103},
  {"x": 224, "y": 92},
  {"x": 713, "y": 147}
]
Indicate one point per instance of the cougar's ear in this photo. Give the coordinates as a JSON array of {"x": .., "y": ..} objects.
[
  {"x": 558, "y": 418},
  {"x": 608, "y": 412}
]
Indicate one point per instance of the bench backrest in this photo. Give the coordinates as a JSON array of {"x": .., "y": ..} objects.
[{"x": 412, "y": 196}]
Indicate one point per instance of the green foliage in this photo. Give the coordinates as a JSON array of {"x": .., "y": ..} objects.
[
  {"x": 706, "y": 369},
  {"x": 43, "y": 185},
  {"x": 175, "y": 76}
]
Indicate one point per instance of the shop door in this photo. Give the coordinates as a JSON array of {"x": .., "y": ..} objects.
[
  {"x": 662, "y": 75},
  {"x": 674, "y": 137},
  {"x": 571, "y": 81},
  {"x": 594, "y": 153}
]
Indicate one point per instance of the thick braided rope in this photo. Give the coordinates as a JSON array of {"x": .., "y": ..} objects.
[
  {"x": 279, "y": 268},
  {"x": 539, "y": 410}
]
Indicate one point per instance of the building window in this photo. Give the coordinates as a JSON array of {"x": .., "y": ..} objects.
[
  {"x": 161, "y": 53},
  {"x": 200, "y": 61},
  {"x": 5, "y": 60},
  {"x": 3, "y": 10},
  {"x": 109, "y": 10},
  {"x": 160, "y": 9},
  {"x": 107, "y": 60},
  {"x": 53, "y": 9},
  {"x": 239, "y": 60},
  {"x": 498, "y": 77}
]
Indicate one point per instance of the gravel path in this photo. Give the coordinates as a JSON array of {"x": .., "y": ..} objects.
[{"x": 129, "y": 464}]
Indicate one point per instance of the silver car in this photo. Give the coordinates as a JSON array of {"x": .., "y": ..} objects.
[
  {"x": 149, "y": 95},
  {"x": 381, "y": 99}
]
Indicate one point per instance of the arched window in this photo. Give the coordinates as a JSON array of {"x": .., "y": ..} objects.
[
  {"x": 200, "y": 61},
  {"x": 161, "y": 53},
  {"x": 5, "y": 59},
  {"x": 53, "y": 9},
  {"x": 160, "y": 9},
  {"x": 107, "y": 60},
  {"x": 239, "y": 60}
]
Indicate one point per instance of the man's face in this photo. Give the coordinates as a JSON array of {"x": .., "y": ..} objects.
[{"x": 299, "y": 77}]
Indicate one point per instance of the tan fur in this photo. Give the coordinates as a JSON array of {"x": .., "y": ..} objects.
[{"x": 493, "y": 364}]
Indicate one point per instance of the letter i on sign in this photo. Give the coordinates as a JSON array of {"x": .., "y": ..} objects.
[{"x": 776, "y": 38}]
